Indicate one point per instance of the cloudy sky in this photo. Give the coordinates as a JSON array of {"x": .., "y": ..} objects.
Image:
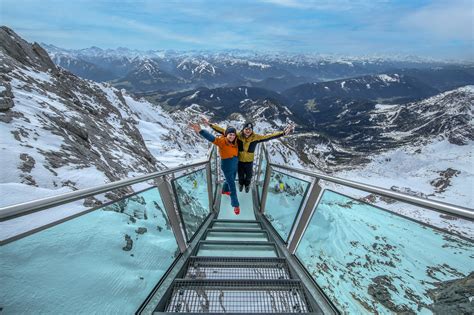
[{"x": 427, "y": 28}]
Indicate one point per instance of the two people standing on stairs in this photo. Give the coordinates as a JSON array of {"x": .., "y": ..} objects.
[
  {"x": 247, "y": 142},
  {"x": 228, "y": 151}
]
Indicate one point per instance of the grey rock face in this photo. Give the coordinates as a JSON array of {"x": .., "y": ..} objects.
[
  {"x": 444, "y": 181},
  {"x": 129, "y": 243},
  {"x": 379, "y": 290},
  {"x": 26, "y": 54},
  {"x": 454, "y": 297},
  {"x": 92, "y": 124},
  {"x": 6, "y": 97},
  {"x": 28, "y": 163},
  {"x": 141, "y": 230}
]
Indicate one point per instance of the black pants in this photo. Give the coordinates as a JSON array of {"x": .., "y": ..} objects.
[{"x": 245, "y": 170}]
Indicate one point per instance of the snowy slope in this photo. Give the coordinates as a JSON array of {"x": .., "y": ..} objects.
[{"x": 61, "y": 133}]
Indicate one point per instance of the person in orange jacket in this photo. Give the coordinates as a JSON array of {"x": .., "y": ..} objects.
[{"x": 228, "y": 152}]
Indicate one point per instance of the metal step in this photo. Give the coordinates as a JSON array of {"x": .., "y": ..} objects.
[
  {"x": 238, "y": 296},
  {"x": 236, "y": 235},
  {"x": 238, "y": 268},
  {"x": 236, "y": 249},
  {"x": 234, "y": 224}
]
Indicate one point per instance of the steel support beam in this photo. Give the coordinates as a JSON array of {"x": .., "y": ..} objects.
[
  {"x": 166, "y": 194},
  {"x": 266, "y": 183},
  {"x": 305, "y": 216}
]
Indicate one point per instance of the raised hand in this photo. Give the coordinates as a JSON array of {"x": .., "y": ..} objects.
[
  {"x": 289, "y": 128},
  {"x": 196, "y": 127},
  {"x": 205, "y": 121}
]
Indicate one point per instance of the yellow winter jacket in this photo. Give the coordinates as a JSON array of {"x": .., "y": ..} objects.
[{"x": 247, "y": 145}]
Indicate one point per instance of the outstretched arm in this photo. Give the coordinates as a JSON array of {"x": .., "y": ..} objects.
[
  {"x": 204, "y": 133},
  {"x": 262, "y": 138},
  {"x": 268, "y": 137},
  {"x": 214, "y": 127}
]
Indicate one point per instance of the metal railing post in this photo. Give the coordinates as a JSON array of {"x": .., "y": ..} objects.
[
  {"x": 266, "y": 183},
  {"x": 167, "y": 197},
  {"x": 305, "y": 216},
  {"x": 209, "y": 186},
  {"x": 259, "y": 165}
]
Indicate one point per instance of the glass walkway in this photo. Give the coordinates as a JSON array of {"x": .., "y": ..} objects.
[{"x": 299, "y": 245}]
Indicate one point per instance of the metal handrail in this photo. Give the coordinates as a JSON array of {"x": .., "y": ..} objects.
[
  {"x": 438, "y": 206},
  {"x": 13, "y": 211}
]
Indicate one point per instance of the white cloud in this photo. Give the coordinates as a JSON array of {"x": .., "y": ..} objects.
[
  {"x": 443, "y": 19},
  {"x": 158, "y": 31},
  {"x": 327, "y": 5},
  {"x": 288, "y": 3}
]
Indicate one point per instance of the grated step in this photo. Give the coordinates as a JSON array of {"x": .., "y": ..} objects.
[
  {"x": 236, "y": 235},
  {"x": 246, "y": 296},
  {"x": 229, "y": 268},
  {"x": 236, "y": 225},
  {"x": 236, "y": 249}
]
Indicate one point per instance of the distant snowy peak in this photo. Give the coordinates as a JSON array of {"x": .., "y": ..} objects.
[
  {"x": 147, "y": 67},
  {"x": 449, "y": 115},
  {"x": 389, "y": 78},
  {"x": 196, "y": 66}
]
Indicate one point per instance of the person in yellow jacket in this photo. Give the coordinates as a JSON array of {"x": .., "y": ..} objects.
[{"x": 247, "y": 142}]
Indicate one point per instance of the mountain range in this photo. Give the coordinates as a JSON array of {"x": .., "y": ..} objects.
[
  {"x": 171, "y": 71},
  {"x": 61, "y": 132}
]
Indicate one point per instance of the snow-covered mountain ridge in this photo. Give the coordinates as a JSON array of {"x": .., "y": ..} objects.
[
  {"x": 60, "y": 132},
  {"x": 274, "y": 71},
  {"x": 54, "y": 124}
]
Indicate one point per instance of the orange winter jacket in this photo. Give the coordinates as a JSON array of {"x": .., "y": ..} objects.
[{"x": 226, "y": 150}]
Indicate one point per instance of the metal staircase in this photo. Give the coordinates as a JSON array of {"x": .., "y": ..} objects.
[
  {"x": 245, "y": 274},
  {"x": 174, "y": 247}
]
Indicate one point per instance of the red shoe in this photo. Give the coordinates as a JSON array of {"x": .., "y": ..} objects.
[
  {"x": 226, "y": 193},
  {"x": 237, "y": 210}
]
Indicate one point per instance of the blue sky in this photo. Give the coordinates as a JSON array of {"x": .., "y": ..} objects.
[{"x": 439, "y": 29}]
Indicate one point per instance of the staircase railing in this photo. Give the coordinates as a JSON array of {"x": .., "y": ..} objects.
[
  {"x": 340, "y": 238},
  {"x": 128, "y": 244}
]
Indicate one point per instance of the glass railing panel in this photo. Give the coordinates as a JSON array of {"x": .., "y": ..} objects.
[
  {"x": 103, "y": 262},
  {"x": 13, "y": 228},
  {"x": 193, "y": 200},
  {"x": 284, "y": 199},
  {"x": 444, "y": 221},
  {"x": 368, "y": 260}
]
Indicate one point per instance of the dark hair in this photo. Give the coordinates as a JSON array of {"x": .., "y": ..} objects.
[
  {"x": 248, "y": 124},
  {"x": 231, "y": 130}
]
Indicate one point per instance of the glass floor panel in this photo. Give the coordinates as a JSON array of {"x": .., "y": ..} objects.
[
  {"x": 228, "y": 250},
  {"x": 236, "y": 236},
  {"x": 236, "y": 225},
  {"x": 246, "y": 207}
]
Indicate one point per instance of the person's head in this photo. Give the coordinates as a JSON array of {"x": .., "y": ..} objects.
[
  {"x": 230, "y": 134},
  {"x": 247, "y": 129}
]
